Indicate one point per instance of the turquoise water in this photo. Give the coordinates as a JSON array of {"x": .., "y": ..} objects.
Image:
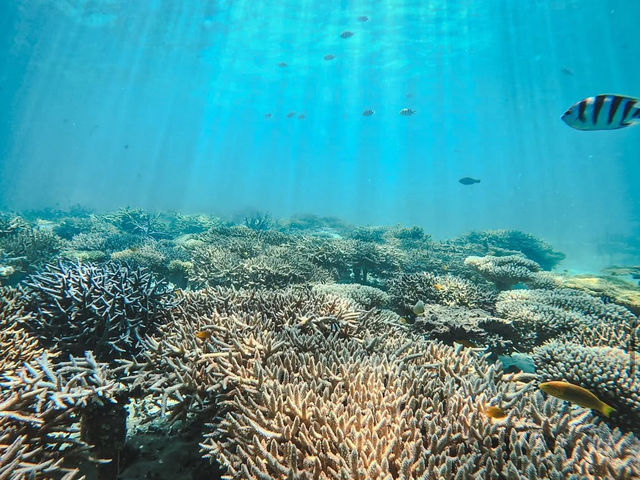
[{"x": 161, "y": 105}]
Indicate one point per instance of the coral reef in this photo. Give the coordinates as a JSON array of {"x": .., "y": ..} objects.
[
  {"x": 508, "y": 242},
  {"x": 608, "y": 372},
  {"x": 608, "y": 287},
  {"x": 106, "y": 308},
  {"x": 477, "y": 327},
  {"x": 365, "y": 296},
  {"x": 505, "y": 271},
  {"x": 294, "y": 352},
  {"x": 41, "y": 409},
  {"x": 25, "y": 248},
  {"x": 406, "y": 289},
  {"x": 411, "y": 413},
  {"x": 137, "y": 222},
  {"x": 16, "y": 344},
  {"x": 543, "y": 314}
]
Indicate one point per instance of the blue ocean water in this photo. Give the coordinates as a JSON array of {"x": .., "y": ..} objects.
[{"x": 162, "y": 105}]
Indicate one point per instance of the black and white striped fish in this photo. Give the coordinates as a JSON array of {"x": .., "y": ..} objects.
[{"x": 603, "y": 112}]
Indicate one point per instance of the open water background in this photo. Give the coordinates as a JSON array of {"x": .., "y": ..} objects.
[{"x": 161, "y": 104}]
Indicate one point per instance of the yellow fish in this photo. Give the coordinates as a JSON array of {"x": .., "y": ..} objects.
[
  {"x": 578, "y": 395},
  {"x": 204, "y": 334},
  {"x": 495, "y": 412},
  {"x": 438, "y": 287}
]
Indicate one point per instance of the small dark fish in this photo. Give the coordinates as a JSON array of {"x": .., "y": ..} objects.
[
  {"x": 282, "y": 64},
  {"x": 363, "y": 18},
  {"x": 603, "y": 112},
  {"x": 346, "y": 34},
  {"x": 407, "y": 112},
  {"x": 126, "y": 147},
  {"x": 495, "y": 412},
  {"x": 329, "y": 56},
  {"x": 566, "y": 71},
  {"x": 368, "y": 113},
  {"x": 468, "y": 180},
  {"x": 302, "y": 116},
  {"x": 267, "y": 115},
  {"x": 291, "y": 114}
]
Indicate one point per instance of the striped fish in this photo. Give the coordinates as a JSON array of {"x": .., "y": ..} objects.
[{"x": 603, "y": 112}]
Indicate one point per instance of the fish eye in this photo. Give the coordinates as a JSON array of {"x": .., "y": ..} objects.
[{"x": 568, "y": 112}]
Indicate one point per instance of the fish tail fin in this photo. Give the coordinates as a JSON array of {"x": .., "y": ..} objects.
[{"x": 607, "y": 410}]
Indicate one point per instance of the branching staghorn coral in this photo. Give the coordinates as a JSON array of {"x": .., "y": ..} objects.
[
  {"x": 294, "y": 397},
  {"x": 10, "y": 224},
  {"x": 543, "y": 314},
  {"x": 277, "y": 268},
  {"x": 41, "y": 409},
  {"x": 365, "y": 296},
  {"x": 452, "y": 325},
  {"x": 106, "y": 308},
  {"x": 29, "y": 248},
  {"x": 176, "y": 368},
  {"x": 407, "y": 289},
  {"x": 610, "y": 288},
  {"x": 505, "y": 271},
  {"x": 608, "y": 372},
  {"x": 624, "y": 335},
  {"x": 138, "y": 222},
  {"x": 416, "y": 413},
  {"x": 16, "y": 344}
]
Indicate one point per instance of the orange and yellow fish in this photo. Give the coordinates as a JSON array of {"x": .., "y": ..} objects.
[
  {"x": 204, "y": 334},
  {"x": 466, "y": 343},
  {"x": 576, "y": 394},
  {"x": 438, "y": 287},
  {"x": 495, "y": 412}
]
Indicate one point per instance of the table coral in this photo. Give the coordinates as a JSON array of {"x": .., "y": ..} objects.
[{"x": 505, "y": 271}]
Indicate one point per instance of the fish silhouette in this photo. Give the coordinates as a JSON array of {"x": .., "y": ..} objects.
[{"x": 468, "y": 180}]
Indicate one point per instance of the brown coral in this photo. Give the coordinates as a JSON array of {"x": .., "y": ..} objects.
[{"x": 16, "y": 344}]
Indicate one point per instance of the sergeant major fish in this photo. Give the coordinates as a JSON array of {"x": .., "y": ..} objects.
[{"x": 603, "y": 112}]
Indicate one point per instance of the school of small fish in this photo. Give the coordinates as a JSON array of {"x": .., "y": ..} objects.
[{"x": 600, "y": 112}]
